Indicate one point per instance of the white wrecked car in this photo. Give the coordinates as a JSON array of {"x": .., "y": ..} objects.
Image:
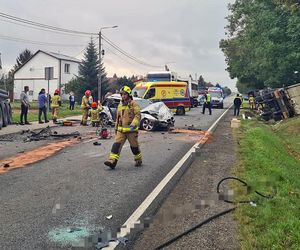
[{"x": 153, "y": 115}]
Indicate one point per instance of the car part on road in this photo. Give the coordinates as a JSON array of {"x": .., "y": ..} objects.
[{"x": 180, "y": 111}]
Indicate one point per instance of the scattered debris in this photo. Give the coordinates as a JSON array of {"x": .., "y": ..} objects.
[
  {"x": 109, "y": 217},
  {"x": 96, "y": 143},
  {"x": 6, "y": 165}
]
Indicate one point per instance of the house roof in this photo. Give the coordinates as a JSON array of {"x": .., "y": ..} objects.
[
  {"x": 52, "y": 54},
  {"x": 61, "y": 56}
]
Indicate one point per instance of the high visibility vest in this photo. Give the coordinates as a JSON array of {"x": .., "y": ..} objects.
[
  {"x": 251, "y": 99},
  {"x": 128, "y": 116},
  {"x": 208, "y": 98},
  {"x": 55, "y": 101}
]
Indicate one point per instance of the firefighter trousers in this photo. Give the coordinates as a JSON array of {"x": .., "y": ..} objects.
[
  {"x": 54, "y": 113},
  {"x": 120, "y": 139},
  {"x": 85, "y": 115}
]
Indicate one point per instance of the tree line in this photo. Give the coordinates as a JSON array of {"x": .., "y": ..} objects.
[{"x": 262, "y": 45}]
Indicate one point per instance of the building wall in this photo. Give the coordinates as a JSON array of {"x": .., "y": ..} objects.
[
  {"x": 68, "y": 76},
  {"x": 32, "y": 74}
]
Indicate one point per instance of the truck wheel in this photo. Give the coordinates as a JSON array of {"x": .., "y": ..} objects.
[
  {"x": 1, "y": 118},
  {"x": 180, "y": 111},
  {"x": 9, "y": 113},
  {"x": 4, "y": 114}
]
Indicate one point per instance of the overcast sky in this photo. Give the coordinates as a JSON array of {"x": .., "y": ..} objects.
[{"x": 184, "y": 34}]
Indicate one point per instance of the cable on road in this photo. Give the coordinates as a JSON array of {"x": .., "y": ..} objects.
[{"x": 175, "y": 238}]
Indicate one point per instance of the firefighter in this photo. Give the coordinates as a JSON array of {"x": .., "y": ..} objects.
[
  {"x": 85, "y": 107},
  {"x": 127, "y": 125},
  {"x": 94, "y": 113},
  {"x": 55, "y": 103},
  {"x": 251, "y": 101},
  {"x": 207, "y": 102}
]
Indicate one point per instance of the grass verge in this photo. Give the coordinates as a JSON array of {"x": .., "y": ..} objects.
[
  {"x": 33, "y": 112},
  {"x": 269, "y": 157}
]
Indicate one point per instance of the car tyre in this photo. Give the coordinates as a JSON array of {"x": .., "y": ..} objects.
[
  {"x": 104, "y": 119},
  {"x": 147, "y": 125}
]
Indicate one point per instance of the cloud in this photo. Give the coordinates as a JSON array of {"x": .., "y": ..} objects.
[{"x": 156, "y": 31}]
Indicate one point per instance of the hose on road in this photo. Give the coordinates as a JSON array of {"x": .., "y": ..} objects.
[{"x": 172, "y": 240}]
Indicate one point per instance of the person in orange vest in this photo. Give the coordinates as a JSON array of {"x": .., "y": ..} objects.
[
  {"x": 85, "y": 105},
  {"x": 127, "y": 126},
  {"x": 55, "y": 103}
]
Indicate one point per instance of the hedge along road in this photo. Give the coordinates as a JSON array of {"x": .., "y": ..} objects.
[{"x": 54, "y": 203}]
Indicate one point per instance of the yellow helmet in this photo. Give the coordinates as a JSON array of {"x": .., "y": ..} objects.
[{"x": 127, "y": 90}]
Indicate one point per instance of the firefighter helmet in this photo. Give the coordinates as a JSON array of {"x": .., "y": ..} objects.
[
  {"x": 56, "y": 91},
  {"x": 94, "y": 105},
  {"x": 87, "y": 92},
  {"x": 127, "y": 90}
]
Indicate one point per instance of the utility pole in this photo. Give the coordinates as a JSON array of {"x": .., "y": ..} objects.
[
  {"x": 99, "y": 70},
  {"x": 100, "y": 61}
]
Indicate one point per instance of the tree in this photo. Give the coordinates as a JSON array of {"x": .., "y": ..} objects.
[
  {"x": 262, "y": 48},
  {"x": 201, "y": 82},
  {"x": 88, "y": 74},
  {"x": 23, "y": 57}
]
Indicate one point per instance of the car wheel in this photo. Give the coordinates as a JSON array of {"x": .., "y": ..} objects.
[
  {"x": 104, "y": 119},
  {"x": 147, "y": 125},
  {"x": 180, "y": 111}
]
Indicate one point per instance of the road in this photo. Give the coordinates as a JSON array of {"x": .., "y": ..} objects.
[{"x": 71, "y": 195}]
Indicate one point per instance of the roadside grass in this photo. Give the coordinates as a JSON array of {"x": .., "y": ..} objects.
[
  {"x": 33, "y": 111},
  {"x": 269, "y": 158}
]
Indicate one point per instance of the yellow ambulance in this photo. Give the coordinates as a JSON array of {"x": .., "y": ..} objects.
[{"x": 174, "y": 94}]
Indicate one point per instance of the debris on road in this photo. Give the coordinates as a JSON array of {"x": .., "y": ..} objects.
[
  {"x": 96, "y": 143},
  {"x": 109, "y": 217},
  {"x": 33, "y": 156}
]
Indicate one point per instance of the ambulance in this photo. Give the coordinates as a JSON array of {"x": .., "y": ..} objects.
[{"x": 174, "y": 94}]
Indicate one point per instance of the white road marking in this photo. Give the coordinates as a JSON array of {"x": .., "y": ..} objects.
[{"x": 134, "y": 218}]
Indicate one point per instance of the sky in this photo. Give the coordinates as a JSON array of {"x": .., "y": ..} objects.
[{"x": 184, "y": 35}]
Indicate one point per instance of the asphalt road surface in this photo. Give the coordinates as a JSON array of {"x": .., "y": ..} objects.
[{"x": 57, "y": 202}]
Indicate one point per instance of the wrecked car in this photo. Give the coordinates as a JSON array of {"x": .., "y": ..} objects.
[{"x": 153, "y": 115}]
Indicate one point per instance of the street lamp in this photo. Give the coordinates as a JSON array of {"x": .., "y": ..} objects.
[{"x": 100, "y": 60}]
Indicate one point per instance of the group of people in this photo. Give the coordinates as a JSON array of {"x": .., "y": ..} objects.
[
  {"x": 43, "y": 102},
  {"x": 90, "y": 109}
]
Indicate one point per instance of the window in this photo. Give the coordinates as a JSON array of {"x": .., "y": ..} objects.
[
  {"x": 150, "y": 93},
  {"x": 67, "y": 68}
]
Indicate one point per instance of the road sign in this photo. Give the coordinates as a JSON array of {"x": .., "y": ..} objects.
[{"x": 49, "y": 73}]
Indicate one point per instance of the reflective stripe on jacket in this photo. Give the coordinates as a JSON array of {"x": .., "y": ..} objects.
[{"x": 128, "y": 116}]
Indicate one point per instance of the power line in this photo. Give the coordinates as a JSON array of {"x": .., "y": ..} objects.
[
  {"x": 123, "y": 52},
  {"x": 37, "y": 28},
  {"x": 16, "y": 39},
  {"x": 40, "y": 25}
]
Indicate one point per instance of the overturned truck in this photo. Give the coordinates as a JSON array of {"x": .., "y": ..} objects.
[
  {"x": 280, "y": 103},
  {"x": 5, "y": 109}
]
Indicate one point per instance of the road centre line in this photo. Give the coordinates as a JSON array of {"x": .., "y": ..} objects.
[{"x": 136, "y": 215}]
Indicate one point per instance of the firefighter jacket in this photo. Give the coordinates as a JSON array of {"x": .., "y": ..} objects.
[
  {"x": 55, "y": 101},
  {"x": 85, "y": 102},
  {"x": 94, "y": 113},
  {"x": 128, "y": 117}
]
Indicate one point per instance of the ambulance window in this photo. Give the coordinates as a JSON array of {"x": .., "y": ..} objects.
[{"x": 150, "y": 93}]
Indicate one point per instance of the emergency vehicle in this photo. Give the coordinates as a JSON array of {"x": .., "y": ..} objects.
[{"x": 174, "y": 94}]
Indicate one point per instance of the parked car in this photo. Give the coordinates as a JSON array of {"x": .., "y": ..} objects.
[
  {"x": 201, "y": 100},
  {"x": 153, "y": 115}
]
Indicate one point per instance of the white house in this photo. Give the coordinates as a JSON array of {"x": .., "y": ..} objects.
[{"x": 32, "y": 73}]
